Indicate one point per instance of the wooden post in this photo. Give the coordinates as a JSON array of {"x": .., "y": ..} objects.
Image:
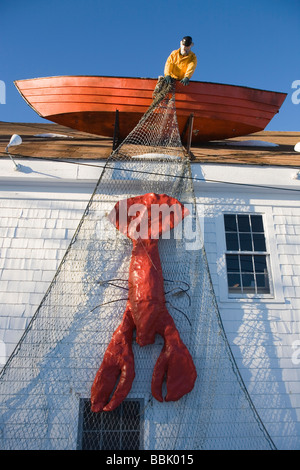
[
  {"x": 190, "y": 132},
  {"x": 116, "y": 130}
]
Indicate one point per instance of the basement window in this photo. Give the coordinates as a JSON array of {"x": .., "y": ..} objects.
[
  {"x": 119, "y": 429},
  {"x": 247, "y": 260}
]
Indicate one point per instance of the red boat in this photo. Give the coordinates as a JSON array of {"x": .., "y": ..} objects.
[{"x": 90, "y": 104}]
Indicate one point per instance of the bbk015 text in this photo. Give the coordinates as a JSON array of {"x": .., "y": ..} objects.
[{"x": 172, "y": 459}]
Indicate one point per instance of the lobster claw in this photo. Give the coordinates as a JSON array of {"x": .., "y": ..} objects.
[
  {"x": 176, "y": 363},
  {"x": 118, "y": 361},
  {"x": 112, "y": 366}
]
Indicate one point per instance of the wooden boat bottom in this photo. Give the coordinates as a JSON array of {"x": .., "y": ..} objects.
[{"x": 103, "y": 124}]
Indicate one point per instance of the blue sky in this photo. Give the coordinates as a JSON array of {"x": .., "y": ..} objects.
[{"x": 252, "y": 43}]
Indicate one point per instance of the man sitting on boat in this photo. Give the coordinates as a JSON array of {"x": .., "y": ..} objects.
[{"x": 181, "y": 63}]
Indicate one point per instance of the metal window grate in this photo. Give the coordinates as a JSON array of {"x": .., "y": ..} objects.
[
  {"x": 119, "y": 429},
  {"x": 246, "y": 257}
]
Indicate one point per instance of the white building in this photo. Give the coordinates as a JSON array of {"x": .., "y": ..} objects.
[{"x": 249, "y": 206}]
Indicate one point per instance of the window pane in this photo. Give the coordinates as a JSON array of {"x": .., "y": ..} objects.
[
  {"x": 248, "y": 283},
  {"x": 112, "y": 420},
  {"x": 232, "y": 243},
  {"x": 243, "y": 223},
  {"x": 257, "y": 223},
  {"x": 117, "y": 430},
  {"x": 130, "y": 415},
  {"x": 232, "y": 262},
  {"x": 91, "y": 440},
  {"x": 245, "y": 242},
  {"x": 230, "y": 223},
  {"x": 260, "y": 263},
  {"x": 246, "y": 264},
  {"x": 262, "y": 284},
  {"x": 130, "y": 441},
  {"x": 91, "y": 420},
  {"x": 259, "y": 242},
  {"x": 110, "y": 441},
  {"x": 234, "y": 283}
]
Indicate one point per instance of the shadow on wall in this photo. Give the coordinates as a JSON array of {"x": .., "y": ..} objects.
[
  {"x": 2, "y": 353},
  {"x": 251, "y": 326}
]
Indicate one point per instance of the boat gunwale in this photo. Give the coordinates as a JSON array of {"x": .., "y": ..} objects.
[{"x": 149, "y": 78}]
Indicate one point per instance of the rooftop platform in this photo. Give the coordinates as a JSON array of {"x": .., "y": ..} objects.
[{"x": 270, "y": 148}]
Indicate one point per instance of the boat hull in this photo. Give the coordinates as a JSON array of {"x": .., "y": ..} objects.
[{"x": 89, "y": 104}]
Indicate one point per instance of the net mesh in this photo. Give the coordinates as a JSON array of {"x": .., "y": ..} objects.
[{"x": 45, "y": 385}]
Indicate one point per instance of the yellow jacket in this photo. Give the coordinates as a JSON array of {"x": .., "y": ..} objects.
[{"x": 179, "y": 66}]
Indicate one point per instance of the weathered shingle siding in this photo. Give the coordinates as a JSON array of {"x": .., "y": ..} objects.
[
  {"x": 262, "y": 331},
  {"x": 36, "y": 228},
  {"x": 34, "y": 235}
]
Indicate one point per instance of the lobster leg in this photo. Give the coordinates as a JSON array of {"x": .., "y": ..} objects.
[
  {"x": 118, "y": 361},
  {"x": 174, "y": 362}
]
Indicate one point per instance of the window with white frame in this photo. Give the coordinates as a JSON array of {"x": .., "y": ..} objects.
[{"x": 246, "y": 255}]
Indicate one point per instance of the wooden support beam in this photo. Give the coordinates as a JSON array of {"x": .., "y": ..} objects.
[
  {"x": 190, "y": 132},
  {"x": 116, "y": 131},
  {"x": 188, "y": 128}
]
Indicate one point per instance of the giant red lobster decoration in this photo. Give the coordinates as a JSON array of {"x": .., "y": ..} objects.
[{"x": 145, "y": 310}]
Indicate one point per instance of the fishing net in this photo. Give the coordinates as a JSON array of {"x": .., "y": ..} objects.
[{"x": 45, "y": 386}]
